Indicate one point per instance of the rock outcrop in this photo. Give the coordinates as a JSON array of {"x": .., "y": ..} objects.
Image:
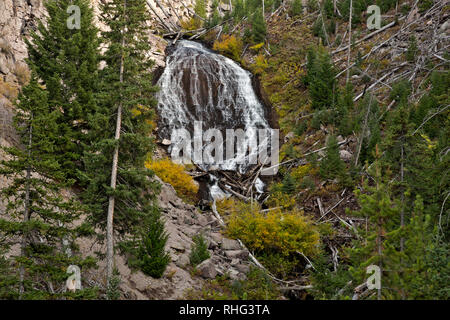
[
  {"x": 17, "y": 19},
  {"x": 183, "y": 221}
]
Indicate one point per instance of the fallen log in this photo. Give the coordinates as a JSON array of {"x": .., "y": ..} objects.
[{"x": 159, "y": 18}]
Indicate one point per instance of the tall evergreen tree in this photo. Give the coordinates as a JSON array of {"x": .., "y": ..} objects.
[
  {"x": 119, "y": 190},
  {"x": 331, "y": 165},
  {"x": 239, "y": 9},
  {"x": 370, "y": 131},
  {"x": 38, "y": 217},
  {"x": 378, "y": 243},
  {"x": 259, "y": 28},
  {"x": 67, "y": 60},
  {"x": 320, "y": 79},
  {"x": 200, "y": 8}
]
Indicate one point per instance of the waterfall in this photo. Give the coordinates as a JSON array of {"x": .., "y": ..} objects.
[{"x": 200, "y": 85}]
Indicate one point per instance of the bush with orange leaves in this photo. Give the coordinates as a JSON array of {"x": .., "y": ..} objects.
[
  {"x": 175, "y": 175},
  {"x": 229, "y": 46}
]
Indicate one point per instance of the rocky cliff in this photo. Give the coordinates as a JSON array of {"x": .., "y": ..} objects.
[{"x": 183, "y": 221}]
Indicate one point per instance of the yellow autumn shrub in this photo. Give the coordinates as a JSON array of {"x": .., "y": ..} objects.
[
  {"x": 260, "y": 64},
  {"x": 193, "y": 23},
  {"x": 225, "y": 206},
  {"x": 280, "y": 199},
  {"x": 175, "y": 175},
  {"x": 273, "y": 231},
  {"x": 229, "y": 46},
  {"x": 300, "y": 172},
  {"x": 256, "y": 47},
  {"x": 150, "y": 116}
]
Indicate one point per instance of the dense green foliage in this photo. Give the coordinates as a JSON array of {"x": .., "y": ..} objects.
[
  {"x": 67, "y": 61},
  {"x": 125, "y": 81},
  {"x": 66, "y": 121},
  {"x": 38, "y": 217},
  {"x": 199, "y": 250},
  {"x": 398, "y": 146}
]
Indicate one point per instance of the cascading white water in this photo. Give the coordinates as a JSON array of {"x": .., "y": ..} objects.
[{"x": 200, "y": 85}]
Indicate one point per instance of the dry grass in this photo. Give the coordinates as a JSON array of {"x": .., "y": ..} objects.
[
  {"x": 22, "y": 73},
  {"x": 5, "y": 47},
  {"x": 9, "y": 90}
]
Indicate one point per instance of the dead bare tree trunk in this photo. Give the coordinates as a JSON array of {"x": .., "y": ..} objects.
[
  {"x": 324, "y": 27},
  {"x": 349, "y": 40},
  {"x": 159, "y": 18},
  {"x": 402, "y": 213},
  {"x": 379, "y": 240},
  {"x": 361, "y": 138},
  {"x": 165, "y": 14},
  {"x": 26, "y": 213},
  {"x": 110, "y": 217}
]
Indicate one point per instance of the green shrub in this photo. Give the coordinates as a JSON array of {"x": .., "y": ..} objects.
[
  {"x": 331, "y": 165},
  {"x": 312, "y": 5},
  {"x": 297, "y": 8},
  {"x": 279, "y": 265},
  {"x": 258, "y": 286},
  {"x": 199, "y": 251},
  {"x": 152, "y": 257},
  {"x": 424, "y": 5},
  {"x": 112, "y": 291},
  {"x": 289, "y": 184}
]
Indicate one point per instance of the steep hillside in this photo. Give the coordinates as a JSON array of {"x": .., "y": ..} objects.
[{"x": 363, "y": 177}]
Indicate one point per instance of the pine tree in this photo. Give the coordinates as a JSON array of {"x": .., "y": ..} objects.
[
  {"x": 214, "y": 19},
  {"x": 370, "y": 132},
  {"x": 378, "y": 244},
  {"x": 259, "y": 28},
  {"x": 344, "y": 108},
  {"x": 331, "y": 165},
  {"x": 328, "y": 283},
  {"x": 146, "y": 249},
  {"x": 320, "y": 79},
  {"x": 288, "y": 185},
  {"x": 67, "y": 61},
  {"x": 297, "y": 7},
  {"x": 239, "y": 9},
  {"x": 199, "y": 251},
  {"x": 200, "y": 8},
  {"x": 411, "y": 266},
  {"x": 119, "y": 190},
  {"x": 152, "y": 255},
  {"x": 37, "y": 213}
]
